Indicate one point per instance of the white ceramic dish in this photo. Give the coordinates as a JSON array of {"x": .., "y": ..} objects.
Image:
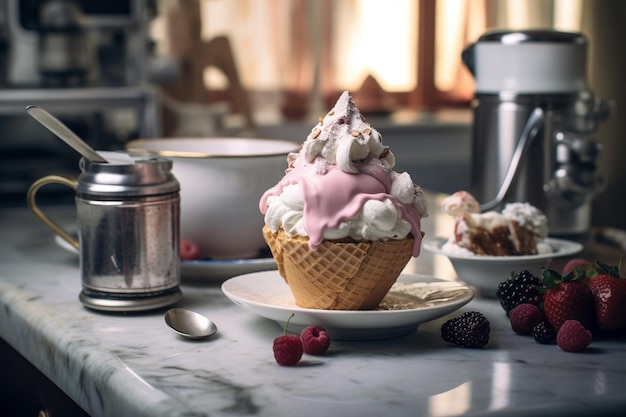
[
  {"x": 221, "y": 182},
  {"x": 486, "y": 272},
  {"x": 209, "y": 271},
  {"x": 413, "y": 300}
]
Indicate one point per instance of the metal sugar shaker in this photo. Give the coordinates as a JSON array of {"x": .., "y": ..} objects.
[{"x": 128, "y": 217}]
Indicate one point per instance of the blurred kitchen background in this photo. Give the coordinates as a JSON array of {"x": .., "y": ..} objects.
[{"x": 118, "y": 70}]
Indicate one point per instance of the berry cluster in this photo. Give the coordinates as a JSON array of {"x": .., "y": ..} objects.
[
  {"x": 289, "y": 348},
  {"x": 528, "y": 319},
  {"x": 589, "y": 297}
]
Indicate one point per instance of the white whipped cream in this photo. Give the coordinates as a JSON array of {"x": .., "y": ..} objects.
[
  {"x": 343, "y": 139},
  {"x": 527, "y": 216},
  {"x": 460, "y": 202},
  {"x": 377, "y": 220},
  {"x": 450, "y": 247}
]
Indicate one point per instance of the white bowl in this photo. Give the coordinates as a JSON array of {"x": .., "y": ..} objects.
[
  {"x": 484, "y": 273},
  {"x": 222, "y": 181}
]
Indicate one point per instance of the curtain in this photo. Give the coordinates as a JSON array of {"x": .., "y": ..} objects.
[{"x": 308, "y": 51}]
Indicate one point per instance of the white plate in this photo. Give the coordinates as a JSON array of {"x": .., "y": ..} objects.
[
  {"x": 207, "y": 270},
  {"x": 414, "y": 299},
  {"x": 484, "y": 273},
  {"x": 560, "y": 248},
  {"x": 218, "y": 271}
]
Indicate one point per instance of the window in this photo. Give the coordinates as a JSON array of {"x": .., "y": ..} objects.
[{"x": 410, "y": 48}]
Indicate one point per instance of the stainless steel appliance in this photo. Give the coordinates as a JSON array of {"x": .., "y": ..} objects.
[
  {"x": 106, "y": 40},
  {"x": 533, "y": 117},
  {"x": 83, "y": 60}
]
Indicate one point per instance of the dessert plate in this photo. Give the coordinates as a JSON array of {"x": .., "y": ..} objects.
[
  {"x": 414, "y": 299},
  {"x": 484, "y": 273},
  {"x": 211, "y": 271}
]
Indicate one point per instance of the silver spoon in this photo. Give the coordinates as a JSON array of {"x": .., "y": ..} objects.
[
  {"x": 64, "y": 133},
  {"x": 189, "y": 324}
]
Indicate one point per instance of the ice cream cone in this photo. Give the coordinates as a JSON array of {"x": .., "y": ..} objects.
[{"x": 339, "y": 275}]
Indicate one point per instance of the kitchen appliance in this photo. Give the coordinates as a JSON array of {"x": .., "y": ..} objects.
[
  {"x": 104, "y": 42},
  {"x": 86, "y": 62},
  {"x": 533, "y": 118},
  {"x": 63, "y": 50}
]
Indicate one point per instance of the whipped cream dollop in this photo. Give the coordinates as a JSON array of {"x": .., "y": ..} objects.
[
  {"x": 342, "y": 184},
  {"x": 459, "y": 202},
  {"x": 529, "y": 217}
]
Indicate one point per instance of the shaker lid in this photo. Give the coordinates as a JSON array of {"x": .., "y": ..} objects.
[{"x": 147, "y": 175}]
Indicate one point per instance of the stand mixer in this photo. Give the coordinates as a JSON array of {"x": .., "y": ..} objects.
[{"x": 533, "y": 117}]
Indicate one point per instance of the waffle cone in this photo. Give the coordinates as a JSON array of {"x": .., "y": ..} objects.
[{"x": 338, "y": 275}]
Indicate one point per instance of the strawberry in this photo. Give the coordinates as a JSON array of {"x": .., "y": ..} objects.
[
  {"x": 567, "y": 298},
  {"x": 609, "y": 293},
  {"x": 589, "y": 267}
]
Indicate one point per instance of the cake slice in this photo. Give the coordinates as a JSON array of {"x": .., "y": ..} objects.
[{"x": 520, "y": 229}]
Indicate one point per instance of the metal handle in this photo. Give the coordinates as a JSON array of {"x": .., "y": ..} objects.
[
  {"x": 64, "y": 133},
  {"x": 529, "y": 132},
  {"x": 32, "y": 204}
]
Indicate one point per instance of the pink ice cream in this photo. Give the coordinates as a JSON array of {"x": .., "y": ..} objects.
[{"x": 342, "y": 184}]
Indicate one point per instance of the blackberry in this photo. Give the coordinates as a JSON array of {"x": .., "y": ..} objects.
[
  {"x": 544, "y": 333},
  {"x": 519, "y": 289},
  {"x": 469, "y": 330}
]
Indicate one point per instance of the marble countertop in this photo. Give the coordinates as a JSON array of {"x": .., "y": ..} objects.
[{"x": 133, "y": 365}]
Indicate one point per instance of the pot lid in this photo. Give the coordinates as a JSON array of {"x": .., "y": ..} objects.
[{"x": 534, "y": 35}]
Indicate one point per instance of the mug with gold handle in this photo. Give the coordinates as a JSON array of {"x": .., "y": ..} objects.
[{"x": 32, "y": 204}]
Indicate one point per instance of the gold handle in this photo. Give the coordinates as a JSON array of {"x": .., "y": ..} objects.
[{"x": 32, "y": 204}]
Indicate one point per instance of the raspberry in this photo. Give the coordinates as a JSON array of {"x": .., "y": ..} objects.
[
  {"x": 573, "y": 337},
  {"x": 469, "y": 330},
  {"x": 544, "y": 333},
  {"x": 288, "y": 349},
  {"x": 519, "y": 289},
  {"x": 315, "y": 340},
  {"x": 524, "y": 317},
  {"x": 189, "y": 251}
]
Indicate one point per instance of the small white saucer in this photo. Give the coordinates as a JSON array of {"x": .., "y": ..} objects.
[{"x": 414, "y": 299}]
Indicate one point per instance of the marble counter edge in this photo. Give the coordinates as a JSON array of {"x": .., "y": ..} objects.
[{"x": 85, "y": 372}]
